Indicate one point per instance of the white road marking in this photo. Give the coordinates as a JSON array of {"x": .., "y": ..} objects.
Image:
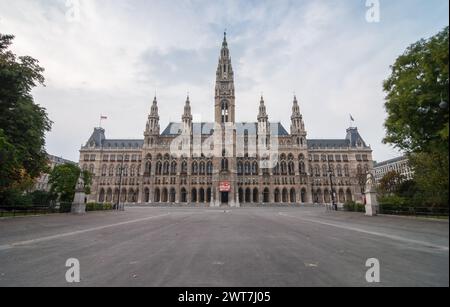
[
  {"x": 379, "y": 234},
  {"x": 73, "y": 233}
]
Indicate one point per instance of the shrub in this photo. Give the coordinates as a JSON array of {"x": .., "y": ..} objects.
[
  {"x": 393, "y": 200},
  {"x": 65, "y": 207},
  {"x": 352, "y": 206},
  {"x": 16, "y": 198},
  {"x": 42, "y": 198},
  {"x": 98, "y": 207}
]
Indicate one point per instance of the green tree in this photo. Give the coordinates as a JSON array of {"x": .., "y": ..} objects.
[
  {"x": 23, "y": 123},
  {"x": 418, "y": 83},
  {"x": 63, "y": 180},
  {"x": 431, "y": 176},
  {"x": 418, "y": 114},
  {"x": 390, "y": 183}
]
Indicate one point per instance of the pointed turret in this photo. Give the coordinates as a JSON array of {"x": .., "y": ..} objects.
[
  {"x": 263, "y": 123},
  {"x": 152, "y": 127},
  {"x": 187, "y": 117},
  {"x": 297, "y": 124}
]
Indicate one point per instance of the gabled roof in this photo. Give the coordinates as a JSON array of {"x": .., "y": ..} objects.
[
  {"x": 98, "y": 139},
  {"x": 353, "y": 139}
]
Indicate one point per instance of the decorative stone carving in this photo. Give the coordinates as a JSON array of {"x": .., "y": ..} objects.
[{"x": 372, "y": 207}]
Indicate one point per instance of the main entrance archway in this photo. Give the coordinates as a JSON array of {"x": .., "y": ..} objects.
[{"x": 224, "y": 198}]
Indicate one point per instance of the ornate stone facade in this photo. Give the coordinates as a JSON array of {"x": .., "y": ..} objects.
[{"x": 225, "y": 163}]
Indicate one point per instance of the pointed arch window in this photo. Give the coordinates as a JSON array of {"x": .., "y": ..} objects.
[{"x": 224, "y": 111}]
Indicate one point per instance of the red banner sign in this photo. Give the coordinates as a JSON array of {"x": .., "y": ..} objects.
[{"x": 225, "y": 186}]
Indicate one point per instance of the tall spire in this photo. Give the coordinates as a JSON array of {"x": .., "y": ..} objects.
[
  {"x": 297, "y": 124},
  {"x": 152, "y": 126},
  {"x": 224, "y": 43},
  {"x": 224, "y": 92},
  {"x": 187, "y": 115}
]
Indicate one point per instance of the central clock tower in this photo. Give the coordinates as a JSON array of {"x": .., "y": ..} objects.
[{"x": 224, "y": 107}]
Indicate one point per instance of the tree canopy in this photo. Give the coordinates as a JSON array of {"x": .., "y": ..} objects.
[
  {"x": 418, "y": 83},
  {"x": 418, "y": 115},
  {"x": 63, "y": 179},
  {"x": 23, "y": 123}
]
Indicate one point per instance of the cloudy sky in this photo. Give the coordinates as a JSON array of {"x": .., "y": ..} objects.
[{"x": 110, "y": 56}]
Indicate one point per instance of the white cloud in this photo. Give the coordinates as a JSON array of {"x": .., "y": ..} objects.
[{"x": 120, "y": 52}]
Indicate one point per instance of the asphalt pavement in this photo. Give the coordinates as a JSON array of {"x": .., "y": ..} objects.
[{"x": 223, "y": 247}]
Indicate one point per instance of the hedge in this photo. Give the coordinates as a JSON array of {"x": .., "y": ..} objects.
[
  {"x": 98, "y": 206},
  {"x": 352, "y": 206}
]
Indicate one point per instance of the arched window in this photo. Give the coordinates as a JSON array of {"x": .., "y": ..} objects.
[
  {"x": 303, "y": 195},
  {"x": 166, "y": 168},
  {"x": 173, "y": 168},
  {"x": 201, "y": 195},
  {"x": 208, "y": 195},
  {"x": 248, "y": 195},
  {"x": 157, "y": 196},
  {"x": 348, "y": 195},
  {"x": 293, "y": 196},
  {"x": 301, "y": 167},
  {"x": 164, "y": 196},
  {"x": 194, "y": 195},
  {"x": 194, "y": 168},
  {"x": 91, "y": 169},
  {"x": 209, "y": 168},
  {"x": 283, "y": 168},
  {"x": 346, "y": 172},
  {"x": 291, "y": 168},
  {"x": 183, "y": 195},
  {"x": 239, "y": 168},
  {"x": 324, "y": 170},
  {"x": 285, "y": 195},
  {"x": 255, "y": 195},
  {"x": 339, "y": 170},
  {"x": 146, "y": 195},
  {"x": 255, "y": 168},
  {"x": 101, "y": 197},
  {"x": 266, "y": 195},
  {"x": 104, "y": 170},
  {"x": 276, "y": 195},
  {"x": 172, "y": 195},
  {"x": 202, "y": 168},
  {"x": 247, "y": 168},
  {"x": 317, "y": 171},
  {"x": 224, "y": 111},
  {"x": 184, "y": 167},
  {"x": 224, "y": 164},
  {"x": 158, "y": 168},
  {"x": 148, "y": 168}
]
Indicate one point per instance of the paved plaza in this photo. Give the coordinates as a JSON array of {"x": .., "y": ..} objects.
[{"x": 223, "y": 247}]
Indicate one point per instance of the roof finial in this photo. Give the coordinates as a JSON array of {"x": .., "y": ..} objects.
[{"x": 224, "y": 38}]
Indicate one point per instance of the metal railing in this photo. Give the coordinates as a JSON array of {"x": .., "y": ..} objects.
[
  {"x": 413, "y": 211},
  {"x": 15, "y": 211}
]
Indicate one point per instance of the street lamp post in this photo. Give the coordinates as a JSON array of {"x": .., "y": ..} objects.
[
  {"x": 333, "y": 199},
  {"x": 120, "y": 185}
]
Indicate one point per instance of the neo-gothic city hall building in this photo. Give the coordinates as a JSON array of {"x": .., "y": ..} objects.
[{"x": 225, "y": 162}]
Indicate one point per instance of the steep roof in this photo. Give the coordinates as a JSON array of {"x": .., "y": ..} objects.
[
  {"x": 352, "y": 139},
  {"x": 174, "y": 129}
]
